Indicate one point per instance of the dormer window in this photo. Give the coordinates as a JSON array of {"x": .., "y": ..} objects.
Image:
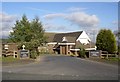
[{"x": 64, "y": 39}]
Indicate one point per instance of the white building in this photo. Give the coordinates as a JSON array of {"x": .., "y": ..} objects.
[{"x": 65, "y": 43}]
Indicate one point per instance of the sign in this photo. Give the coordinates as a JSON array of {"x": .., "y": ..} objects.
[
  {"x": 95, "y": 53},
  {"x": 24, "y": 53}
]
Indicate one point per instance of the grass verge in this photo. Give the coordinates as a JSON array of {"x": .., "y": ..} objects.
[
  {"x": 113, "y": 59},
  {"x": 9, "y": 59},
  {"x": 110, "y": 60}
]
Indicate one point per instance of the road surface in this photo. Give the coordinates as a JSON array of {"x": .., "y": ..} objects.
[{"x": 61, "y": 68}]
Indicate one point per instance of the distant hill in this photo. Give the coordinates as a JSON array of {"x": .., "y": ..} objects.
[{"x": 4, "y": 40}]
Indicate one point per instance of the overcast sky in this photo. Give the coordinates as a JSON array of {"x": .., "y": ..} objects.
[{"x": 62, "y": 16}]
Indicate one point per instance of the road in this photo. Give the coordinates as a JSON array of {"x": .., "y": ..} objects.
[{"x": 61, "y": 68}]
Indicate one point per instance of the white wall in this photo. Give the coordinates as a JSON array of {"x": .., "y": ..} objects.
[
  {"x": 52, "y": 43},
  {"x": 83, "y": 38}
]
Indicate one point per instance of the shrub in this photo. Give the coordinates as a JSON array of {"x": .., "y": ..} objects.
[
  {"x": 33, "y": 54},
  {"x": 82, "y": 52}
]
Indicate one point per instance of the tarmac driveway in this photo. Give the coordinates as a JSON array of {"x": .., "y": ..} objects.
[{"x": 61, "y": 68}]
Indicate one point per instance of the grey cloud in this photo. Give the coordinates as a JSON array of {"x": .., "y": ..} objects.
[
  {"x": 52, "y": 16},
  {"x": 82, "y": 19},
  {"x": 79, "y": 18},
  {"x": 6, "y": 18},
  {"x": 50, "y": 26},
  {"x": 6, "y": 21}
]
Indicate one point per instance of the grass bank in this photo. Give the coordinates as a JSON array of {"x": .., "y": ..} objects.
[
  {"x": 111, "y": 60},
  {"x": 10, "y": 61}
]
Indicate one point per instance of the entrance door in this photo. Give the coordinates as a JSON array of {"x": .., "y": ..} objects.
[{"x": 63, "y": 49}]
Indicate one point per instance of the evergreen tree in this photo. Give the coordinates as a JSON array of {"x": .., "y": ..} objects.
[
  {"x": 106, "y": 41},
  {"x": 30, "y": 34},
  {"x": 37, "y": 31},
  {"x": 118, "y": 35},
  {"x": 20, "y": 31}
]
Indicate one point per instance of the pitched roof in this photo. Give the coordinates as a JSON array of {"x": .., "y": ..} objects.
[
  {"x": 49, "y": 36},
  {"x": 71, "y": 37}
]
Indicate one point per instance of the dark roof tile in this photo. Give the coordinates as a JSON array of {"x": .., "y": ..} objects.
[{"x": 71, "y": 37}]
